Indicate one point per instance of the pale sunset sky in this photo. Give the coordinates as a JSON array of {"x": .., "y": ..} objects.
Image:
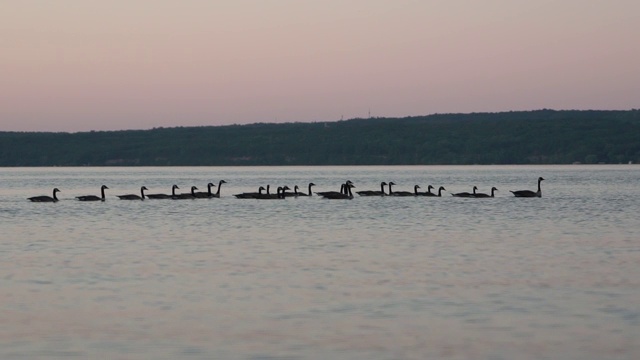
[{"x": 80, "y": 65}]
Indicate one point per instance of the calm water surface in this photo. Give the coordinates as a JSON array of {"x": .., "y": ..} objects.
[{"x": 555, "y": 277}]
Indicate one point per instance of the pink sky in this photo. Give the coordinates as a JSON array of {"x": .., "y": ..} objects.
[{"x": 78, "y": 65}]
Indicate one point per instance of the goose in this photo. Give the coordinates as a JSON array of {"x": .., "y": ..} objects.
[
  {"x": 217, "y": 194},
  {"x": 164, "y": 196},
  {"x": 297, "y": 193},
  {"x": 205, "y": 195},
  {"x": 250, "y": 195},
  {"x": 268, "y": 194},
  {"x": 529, "y": 193},
  {"x": 481, "y": 195},
  {"x": 93, "y": 197},
  {"x": 134, "y": 196},
  {"x": 283, "y": 192},
  {"x": 346, "y": 195},
  {"x": 280, "y": 194},
  {"x": 391, "y": 183},
  {"x": 324, "y": 193},
  {"x": 428, "y": 192},
  {"x": 407, "y": 193},
  {"x": 45, "y": 198},
  {"x": 184, "y": 196},
  {"x": 373, "y": 192},
  {"x": 209, "y": 194},
  {"x": 308, "y": 190},
  {"x": 332, "y": 193},
  {"x": 466, "y": 194}
]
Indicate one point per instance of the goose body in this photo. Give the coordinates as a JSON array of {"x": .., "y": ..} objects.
[
  {"x": 529, "y": 193},
  {"x": 406, "y": 193},
  {"x": 428, "y": 192},
  {"x": 297, "y": 193},
  {"x": 346, "y": 195},
  {"x": 325, "y": 193},
  {"x": 373, "y": 192},
  {"x": 466, "y": 194},
  {"x": 205, "y": 195},
  {"x": 481, "y": 195},
  {"x": 164, "y": 196},
  {"x": 186, "y": 196},
  {"x": 280, "y": 194},
  {"x": 265, "y": 195},
  {"x": 45, "y": 198},
  {"x": 343, "y": 190},
  {"x": 209, "y": 193},
  {"x": 309, "y": 193},
  {"x": 93, "y": 197},
  {"x": 134, "y": 196},
  {"x": 250, "y": 195},
  {"x": 391, "y": 183}
]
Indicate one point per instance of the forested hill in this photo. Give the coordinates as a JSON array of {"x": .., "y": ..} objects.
[{"x": 532, "y": 137}]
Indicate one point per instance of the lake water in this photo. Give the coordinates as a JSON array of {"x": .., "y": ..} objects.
[{"x": 555, "y": 277}]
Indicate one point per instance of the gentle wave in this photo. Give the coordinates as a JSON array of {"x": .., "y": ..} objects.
[{"x": 409, "y": 278}]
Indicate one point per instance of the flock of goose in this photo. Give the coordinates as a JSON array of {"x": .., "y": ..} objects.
[{"x": 282, "y": 193}]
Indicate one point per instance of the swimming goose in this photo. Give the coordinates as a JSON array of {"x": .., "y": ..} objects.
[
  {"x": 250, "y": 195},
  {"x": 391, "y": 183},
  {"x": 309, "y": 190},
  {"x": 205, "y": 195},
  {"x": 373, "y": 192},
  {"x": 481, "y": 195},
  {"x": 343, "y": 190},
  {"x": 323, "y": 193},
  {"x": 297, "y": 193},
  {"x": 529, "y": 193},
  {"x": 134, "y": 196},
  {"x": 428, "y": 192},
  {"x": 186, "y": 196},
  {"x": 93, "y": 197},
  {"x": 268, "y": 192},
  {"x": 209, "y": 194},
  {"x": 283, "y": 192},
  {"x": 466, "y": 194},
  {"x": 407, "y": 193},
  {"x": 164, "y": 196},
  {"x": 347, "y": 195},
  {"x": 45, "y": 198},
  {"x": 280, "y": 194},
  {"x": 217, "y": 194}
]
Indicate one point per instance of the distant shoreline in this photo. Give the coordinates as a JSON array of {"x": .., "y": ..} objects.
[{"x": 505, "y": 138}]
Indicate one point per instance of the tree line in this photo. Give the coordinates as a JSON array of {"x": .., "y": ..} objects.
[{"x": 518, "y": 137}]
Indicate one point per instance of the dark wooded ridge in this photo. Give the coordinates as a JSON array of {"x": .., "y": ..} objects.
[{"x": 523, "y": 137}]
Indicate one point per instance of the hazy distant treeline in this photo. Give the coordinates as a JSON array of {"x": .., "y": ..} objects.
[{"x": 532, "y": 137}]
